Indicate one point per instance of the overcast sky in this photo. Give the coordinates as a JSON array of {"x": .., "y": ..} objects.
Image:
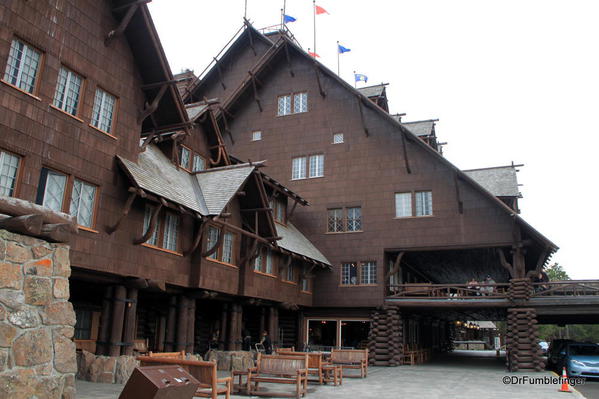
[{"x": 508, "y": 80}]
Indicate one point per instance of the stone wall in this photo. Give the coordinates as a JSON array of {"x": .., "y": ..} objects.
[{"x": 37, "y": 354}]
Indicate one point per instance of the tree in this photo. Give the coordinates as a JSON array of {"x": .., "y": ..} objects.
[{"x": 556, "y": 272}]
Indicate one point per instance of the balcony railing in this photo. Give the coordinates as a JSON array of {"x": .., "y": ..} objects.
[
  {"x": 448, "y": 291},
  {"x": 566, "y": 288}
]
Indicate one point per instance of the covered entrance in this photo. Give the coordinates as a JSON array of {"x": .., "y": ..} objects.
[{"x": 332, "y": 332}]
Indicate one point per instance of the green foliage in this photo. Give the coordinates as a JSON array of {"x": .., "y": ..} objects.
[
  {"x": 577, "y": 332},
  {"x": 556, "y": 272}
]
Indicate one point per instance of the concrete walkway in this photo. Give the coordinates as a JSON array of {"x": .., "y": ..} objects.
[{"x": 463, "y": 374}]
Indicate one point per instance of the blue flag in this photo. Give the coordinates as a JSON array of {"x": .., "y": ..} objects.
[
  {"x": 288, "y": 18},
  {"x": 342, "y": 49},
  {"x": 360, "y": 77}
]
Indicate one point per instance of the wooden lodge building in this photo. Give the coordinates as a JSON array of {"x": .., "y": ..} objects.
[{"x": 265, "y": 194}]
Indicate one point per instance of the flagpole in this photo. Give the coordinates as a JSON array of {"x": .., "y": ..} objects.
[
  {"x": 355, "y": 83},
  {"x": 283, "y": 10},
  {"x": 245, "y": 11},
  {"x": 314, "y": 12},
  {"x": 337, "y": 57}
]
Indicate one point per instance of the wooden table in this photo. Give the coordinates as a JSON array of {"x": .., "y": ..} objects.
[{"x": 333, "y": 373}]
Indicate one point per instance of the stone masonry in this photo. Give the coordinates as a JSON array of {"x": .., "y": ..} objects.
[{"x": 37, "y": 354}]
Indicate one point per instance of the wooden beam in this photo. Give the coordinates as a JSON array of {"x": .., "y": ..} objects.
[
  {"x": 404, "y": 148},
  {"x": 255, "y": 88},
  {"x": 504, "y": 262},
  {"x": 27, "y": 224},
  {"x": 396, "y": 265},
  {"x": 133, "y": 7},
  {"x": 60, "y": 232},
  {"x": 240, "y": 230},
  {"x": 251, "y": 39},
  {"x": 264, "y": 197},
  {"x": 126, "y": 209},
  {"x": 257, "y": 210},
  {"x": 152, "y": 107},
  {"x": 221, "y": 144},
  {"x": 541, "y": 260},
  {"x": 219, "y": 240},
  {"x": 197, "y": 240},
  {"x": 153, "y": 220},
  {"x": 160, "y": 84},
  {"x": 457, "y": 193},
  {"x": 362, "y": 117},
  {"x": 17, "y": 207},
  {"x": 290, "y": 214},
  {"x": 323, "y": 94},
  {"x": 288, "y": 58},
  {"x": 118, "y": 315},
  {"x": 220, "y": 73}
]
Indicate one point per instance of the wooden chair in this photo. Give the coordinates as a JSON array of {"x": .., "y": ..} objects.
[
  {"x": 315, "y": 363},
  {"x": 351, "y": 359},
  {"x": 204, "y": 372},
  {"x": 170, "y": 355},
  {"x": 279, "y": 369}
]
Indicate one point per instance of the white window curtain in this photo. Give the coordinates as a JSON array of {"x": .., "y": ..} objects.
[
  {"x": 228, "y": 248},
  {"x": 403, "y": 205},
  {"x": 424, "y": 203},
  {"x": 171, "y": 230},
  {"x": 54, "y": 191},
  {"x": 9, "y": 165}
]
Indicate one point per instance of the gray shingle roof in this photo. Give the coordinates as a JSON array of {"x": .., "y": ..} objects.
[
  {"x": 195, "y": 110},
  {"x": 372, "y": 91},
  {"x": 294, "y": 241},
  {"x": 420, "y": 128},
  {"x": 500, "y": 181},
  {"x": 206, "y": 193}
]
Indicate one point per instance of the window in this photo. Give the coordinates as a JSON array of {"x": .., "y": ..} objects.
[
  {"x": 103, "y": 112},
  {"x": 257, "y": 135},
  {"x": 290, "y": 273},
  {"x": 300, "y": 104},
  {"x": 298, "y": 168},
  {"x": 349, "y": 274},
  {"x": 153, "y": 240},
  {"x": 305, "y": 284},
  {"x": 284, "y": 105},
  {"x": 264, "y": 262},
  {"x": 83, "y": 198},
  {"x": 279, "y": 208},
  {"x": 338, "y": 138},
  {"x": 403, "y": 205},
  {"x": 424, "y": 203},
  {"x": 83, "y": 324},
  {"x": 354, "y": 219},
  {"x": 226, "y": 251},
  {"x": 184, "y": 157},
  {"x": 9, "y": 166},
  {"x": 422, "y": 199},
  {"x": 348, "y": 219},
  {"x": 52, "y": 189},
  {"x": 199, "y": 163},
  {"x": 22, "y": 66},
  {"x": 317, "y": 165},
  {"x": 335, "y": 220},
  {"x": 68, "y": 90},
  {"x": 362, "y": 274},
  {"x": 171, "y": 229},
  {"x": 368, "y": 273}
]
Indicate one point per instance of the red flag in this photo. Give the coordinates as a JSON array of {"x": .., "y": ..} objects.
[
  {"x": 320, "y": 10},
  {"x": 314, "y": 55}
]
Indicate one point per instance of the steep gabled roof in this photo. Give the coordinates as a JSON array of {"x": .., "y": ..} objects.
[
  {"x": 421, "y": 128},
  {"x": 372, "y": 91},
  {"x": 283, "y": 41},
  {"x": 152, "y": 65},
  {"x": 501, "y": 181},
  {"x": 294, "y": 241}
]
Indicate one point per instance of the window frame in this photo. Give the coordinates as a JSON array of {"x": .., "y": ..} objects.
[
  {"x": 340, "y": 134},
  {"x": 39, "y": 71},
  {"x": 115, "y": 111},
  {"x": 94, "y": 207},
  {"x": 18, "y": 174},
  {"x": 292, "y": 103},
  {"x": 279, "y": 206},
  {"x": 191, "y": 161},
  {"x": 80, "y": 100},
  {"x": 344, "y": 219},
  {"x": 218, "y": 254},
  {"x": 303, "y": 160},
  {"x": 161, "y": 230},
  {"x": 258, "y": 134},
  {"x": 359, "y": 273},
  {"x": 285, "y": 274},
  {"x": 265, "y": 253},
  {"x": 412, "y": 197},
  {"x": 306, "y": 166},
  {"x": 319, "y": 166}
]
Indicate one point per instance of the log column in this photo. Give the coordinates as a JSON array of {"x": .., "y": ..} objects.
[
  {"x": 273, "y": 325},
  {"x": 523, "y": 353},
  {"x": 385, "y": 338},
  {"x": 130, "y": 321},
  {"x": 102, "y": 344},
  {"x": 223, "y": 326},
  {"x": 234, "y": 333},
  {"x": 262, "y": 327},
  {"x": 118, "y": 313},
  {"x": 191, "y": 320},
  {"x": 171, "y": 321},
  {"x": 182, "y": 309}
]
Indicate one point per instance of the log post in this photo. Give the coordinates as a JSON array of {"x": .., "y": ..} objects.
[
  {"x": 273, "y": 325},
  {"x": 182, "y": 309},
  {"x": 130, "y": 321},
  {"x": 262, "y": 321},
  {"x": 170, "y": 325},
  {"x": 161, "y": 333},
  {"x": 118, "y": 313},
  {"x": 191, "y": 320},
  {"x": 223, "y": 326},
  {"x": 105, "y": 322}
]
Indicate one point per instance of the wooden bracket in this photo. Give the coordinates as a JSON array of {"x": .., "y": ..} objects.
[
  {"x": 132, "y": 194},
  {"x": 395, "y": 267},
  {"x": 265, "y": 202},
  {"x": 152, "y": 227},
  {"x": 220, "y": 73},
  {"x": 198, "y": 238},
  {"x": 151, "y": 108},
  {"x": 288, "y": 60},
  {"x": 256, "y": 98},
  {"x": 148, "y": 140},
  {"x": 27, "y": 224},
  {"x": 251, "y": 39},
  {"x": 404, "y": 147},
  {"x": 219, "y": 240},
  {"x": 504, "y": 262},
  {"x": 226, "y": 124},
  {"x": 457, "y": 193},
  {"x": 323, "y": 94},
  {"x": 222, "y": 152},
  {"x": 131, "y": 8},
  {"x": 362, "y": 117},
  {"x": 290, "y": 214}
]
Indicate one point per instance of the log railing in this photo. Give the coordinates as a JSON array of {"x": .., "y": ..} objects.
[
  {"x": 448, "y": 291},
  {"x": 565, "y": 288}
]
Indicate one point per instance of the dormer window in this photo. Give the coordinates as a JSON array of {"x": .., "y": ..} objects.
[
  {"x": 190, "y": 160},
  {"x": 279, "y": 208}
]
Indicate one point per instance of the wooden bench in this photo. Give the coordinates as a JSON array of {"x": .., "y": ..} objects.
[
  {"x": 315, "y": 363},
  {"x": 351, "y": 359},
  {"x": 279, "y": 369},
  {"x": 169, "y": 355},
  {"x": 204, "y": 372}
]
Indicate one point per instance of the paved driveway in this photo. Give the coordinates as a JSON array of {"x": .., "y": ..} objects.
[{"x": 463, "y": 374}]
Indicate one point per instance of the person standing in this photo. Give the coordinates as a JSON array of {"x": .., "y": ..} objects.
[{"x": 266, "y": 342}]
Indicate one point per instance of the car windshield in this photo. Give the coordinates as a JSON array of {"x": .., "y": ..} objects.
[{"x": 584, "y": 350}]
